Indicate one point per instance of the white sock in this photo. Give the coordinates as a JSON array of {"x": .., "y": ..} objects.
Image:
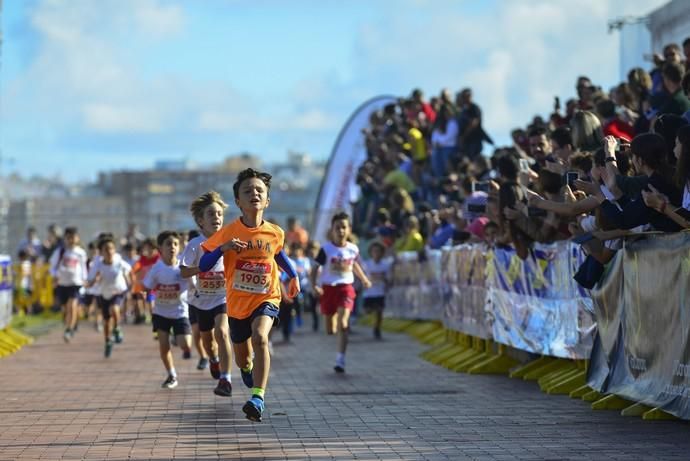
[
  {"x": 172, "y": 373},
  {"x": 225, "y": 376},
  {"x": 340, "y": 358}
]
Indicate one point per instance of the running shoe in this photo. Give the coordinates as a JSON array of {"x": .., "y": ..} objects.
[
  {"x": 108, "y": 349},
  {"x": 247, "y": 378},
  {"x": 377, "y": 333},
  {"x": 203, "y": 363},
  {"x": 224, "y": 388},
  {"x": 254, "y": 409},
  {"x": 187, "y": 355},
  {"x": 67, "y": 335},
  {"x": 170, "y": 382},
  {"x": 118, "y": 336},
  {"x": 214, "y": 368},
  {"x": 339, "y": 366}
]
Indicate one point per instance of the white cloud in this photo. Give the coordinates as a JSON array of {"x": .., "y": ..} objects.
[
  {"x": 159, "y": 20},
  {"x": 109, "y": 119}
]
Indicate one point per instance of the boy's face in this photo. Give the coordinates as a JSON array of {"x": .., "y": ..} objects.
[
  {"x": 376, "y": 252},
  {"x": 108, "y": 252},
  {"x": 211, "y": 219},
  {"x": 253, "y": 195},
  {"x": 146, "y": 250},
  {"x": 170, "y": 249},
  {"x": 340, "y": 230},
  {"x": 71, "y": 239}
]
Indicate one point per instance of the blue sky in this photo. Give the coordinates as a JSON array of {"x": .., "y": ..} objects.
[{"x": 90, "y": 85}]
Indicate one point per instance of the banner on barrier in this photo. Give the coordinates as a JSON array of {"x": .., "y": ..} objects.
[
  {"x": 535, "y": 305},
  {"x": 5, "y": 290},
  {"x": 643, "y": 310}
]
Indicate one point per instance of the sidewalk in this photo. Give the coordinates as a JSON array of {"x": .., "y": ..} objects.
[{"x": 65, "y": 401}]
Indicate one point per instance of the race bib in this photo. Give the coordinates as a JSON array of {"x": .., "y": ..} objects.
[
  {"x": 341, "y": 266},
  {"x": 211, "y": 283},
  {"x": 252, "y": 277},
  {"x": 168, "y": 294}
]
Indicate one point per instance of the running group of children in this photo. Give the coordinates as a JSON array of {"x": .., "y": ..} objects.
[{"x": 230, "y": 282}]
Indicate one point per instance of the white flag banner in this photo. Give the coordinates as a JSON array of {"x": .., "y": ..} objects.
[{"x": 339, "y": 187}]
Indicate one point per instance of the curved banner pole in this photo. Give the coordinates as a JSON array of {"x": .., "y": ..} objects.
[{"x": 338, "y": 187}]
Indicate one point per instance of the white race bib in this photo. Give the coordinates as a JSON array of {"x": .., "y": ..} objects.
[
  {"x": 211, "y": 283},
  {"x": 252, "y": 277}
]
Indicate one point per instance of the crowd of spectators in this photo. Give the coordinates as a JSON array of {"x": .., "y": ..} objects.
[{"x": 608, "y": 164}]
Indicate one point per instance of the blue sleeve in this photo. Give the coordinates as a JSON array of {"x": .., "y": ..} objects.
[
  {"x": 441, "y": 236},
  {"x": 285, "y": 264},
  {"x": 209, "y": 259}
]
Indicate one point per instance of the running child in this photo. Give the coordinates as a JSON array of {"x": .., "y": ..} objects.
[
  {"x": 68, "y": 267},
  {"x": 252, "y": 252},
  {"x": 143, "y": 300},
  {"x": 113, "y": 275},
  {"x": 193, "y": 319},
  {"x": 338, "y": 260},
  {"x": 208, "y": 302},
  {"x": 170, "y": 312},
  {"x": 378, "y": 269}
]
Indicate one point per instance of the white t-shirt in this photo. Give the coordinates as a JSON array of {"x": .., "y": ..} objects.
[
  {"x": 209, "y": 287},
  {"x": 171, "y": 290},
  {"x": 337, "y": 263},
  {"x": 70, "y": 269},
  {"x": 113, "y": 276},
  {"x": 377, "y": 273}
]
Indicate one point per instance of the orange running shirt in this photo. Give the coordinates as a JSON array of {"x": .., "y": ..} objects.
[{"x": 252, "y": 276}]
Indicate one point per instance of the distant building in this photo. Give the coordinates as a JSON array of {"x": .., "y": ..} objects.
[{"x": 91, "y": 215}]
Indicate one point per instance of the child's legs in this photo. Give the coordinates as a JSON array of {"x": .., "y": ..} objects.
[
  {"x": 115, "y": 314},
  {"x": 330, "y": 322},
  {"x": 261, "y": 326},
  {"x": 221, "y": 330},
  {"x": 196, "y": 340},
  {"x": 164, "y": 348},
  {"x": 72, "y": 312},
  {"x": 285, "y": 316},
  {"x": 184, "y": 341},
  {"x": 210, "y": 346},
  {"x": 243, "y": 353},
  {"x": 343, "y": 325},
  {"x": 378, "y": 318}
]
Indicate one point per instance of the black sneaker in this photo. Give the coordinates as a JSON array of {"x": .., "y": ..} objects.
[
  {"x": 377, "y": 333},
  {"x": 187, "y": 355},
  {"x": 108, "y": 349},
  {"x": 224, "y": 388},
  {"x": 170, "y": 382},
  {"x": 117, "y": 336}
]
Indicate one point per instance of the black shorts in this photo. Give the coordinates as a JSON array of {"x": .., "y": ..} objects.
[
  {"x": 66, "y": 292},
  {"x": 179, "y": 326},
  {"x": 104, "y": 304},
  {"x": 241, "y": 329},
  {"x": 376, "y": 303},
  {"x": 87, "y": 299},
  {"x": 206, "y": 318}
]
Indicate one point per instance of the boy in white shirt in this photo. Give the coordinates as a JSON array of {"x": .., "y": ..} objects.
[
  {"x": 68, "y": 268},
  {"x": 170, "y": 310},
  {"x": 114, "y": 276},
  {"x": 209, "y": 299}
]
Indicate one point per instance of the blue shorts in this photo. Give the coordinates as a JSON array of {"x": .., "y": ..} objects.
[{"x": 241, "y": 329}]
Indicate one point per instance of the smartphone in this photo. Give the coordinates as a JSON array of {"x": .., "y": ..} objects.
[
  {"x": 583, "y": 238},
  {"x": 570, "y": 178},
  {"x": 481, "y": 186},
  {"x": 475, "y": 208},
  {"x": 524, "y": 165},
  {"x": 534, "y": 212}
]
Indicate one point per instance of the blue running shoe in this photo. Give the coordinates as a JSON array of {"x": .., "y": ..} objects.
[
  {"x": 247, "y": 378},
  {"x": 254, "y": 408},
  {"x": 118, "y": 336}
]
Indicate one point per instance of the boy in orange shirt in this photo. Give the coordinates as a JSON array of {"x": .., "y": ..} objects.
[{"x": 252, "y": 254}]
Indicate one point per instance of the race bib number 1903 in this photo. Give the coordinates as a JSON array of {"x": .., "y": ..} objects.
[{"x": 252, "y": 277}]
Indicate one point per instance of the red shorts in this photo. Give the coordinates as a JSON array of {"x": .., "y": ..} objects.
[{"x": 335, "y": 296}]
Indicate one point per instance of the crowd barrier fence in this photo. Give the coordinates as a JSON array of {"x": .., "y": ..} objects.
[
  {"x": 487, "y": 311},
  {"x": 11, "y": 340}
]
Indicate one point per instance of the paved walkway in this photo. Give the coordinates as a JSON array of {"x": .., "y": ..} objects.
[{"x": 61, "y": 401}]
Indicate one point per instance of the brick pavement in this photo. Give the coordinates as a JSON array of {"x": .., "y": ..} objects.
[{"x": 62, "y": 401}]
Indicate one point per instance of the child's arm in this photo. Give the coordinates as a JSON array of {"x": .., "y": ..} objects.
[
  {"x": 210, "y": 258},
  {"x": 314, "y": 278},
  {"x": 359, "y": 272},
  {"x": 93, "y": 276},
  {"x": 285, "y": 264}
]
